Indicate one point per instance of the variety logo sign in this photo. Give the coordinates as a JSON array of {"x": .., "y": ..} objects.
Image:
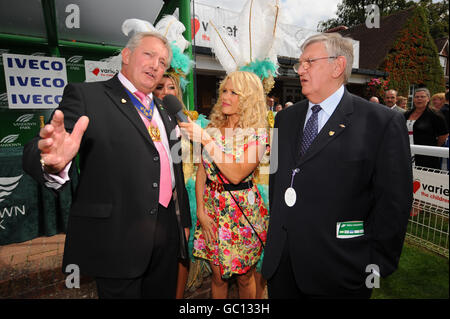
[
  {"x": 34, "y": 82},
  {"x": 431, "y": 187},
  {"x": 99, "y": 70}
]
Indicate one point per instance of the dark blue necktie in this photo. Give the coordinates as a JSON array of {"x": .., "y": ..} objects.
[{"x": 311, "y": 129}]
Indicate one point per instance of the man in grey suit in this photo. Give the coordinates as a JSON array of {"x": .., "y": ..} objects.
[
  {"x": 390, "y": 99},
  {"x": 341, "y": 197}
]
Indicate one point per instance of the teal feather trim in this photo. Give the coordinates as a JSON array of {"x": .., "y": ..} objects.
[
  {"x": 190, "y": 188},
  {"x": 263, "y": 69},
  {"x": 183, "y": 83},
  {"x": 181, "y": 63},
  {"x": 264, "y": 191},
  {"x": 202, "y": 121}
]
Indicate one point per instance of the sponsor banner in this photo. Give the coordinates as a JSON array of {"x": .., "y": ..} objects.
[
  {"x": 19, "y": 126},
  {"x": 34, "y": 82},
  {"x": 431, "y": 187},
  {"x": 28, "y": 210},
  {"x": 291, "y": 36},
  {"x": 99, "y": 70}
]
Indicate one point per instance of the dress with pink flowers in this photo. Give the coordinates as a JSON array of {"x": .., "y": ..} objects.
[{"x": 237, "y": 248}]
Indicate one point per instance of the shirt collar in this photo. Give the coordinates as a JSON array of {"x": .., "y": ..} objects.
[
  {"x": 329, "y": 104},
  {"x": 128, "y": 85}
]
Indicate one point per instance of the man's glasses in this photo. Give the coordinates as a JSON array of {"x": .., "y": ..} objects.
[{"x": 306, "y": 64}]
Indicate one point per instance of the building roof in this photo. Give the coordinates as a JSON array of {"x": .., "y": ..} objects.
[
  {"x": 441, "y": 45},
  {"x": 375, "y": 43}
]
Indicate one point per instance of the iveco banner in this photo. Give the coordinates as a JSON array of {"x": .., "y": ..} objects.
[{"x": 34, "y": 82}]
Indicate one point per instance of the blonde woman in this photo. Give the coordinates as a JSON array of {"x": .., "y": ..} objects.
[{"x": 228, "y": 235}]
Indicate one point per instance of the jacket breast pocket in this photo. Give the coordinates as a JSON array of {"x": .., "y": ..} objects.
[{"x": 91, "y": 210}]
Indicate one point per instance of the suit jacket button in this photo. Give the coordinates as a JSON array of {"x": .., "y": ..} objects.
[
  {"x": 153, "y": 211},
  {"x": 155, "y": 185},
  {"x": 156, "y": 158}
]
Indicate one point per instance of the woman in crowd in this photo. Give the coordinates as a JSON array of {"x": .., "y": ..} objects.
[
  {"x": 402, "y": 102},
  {"x": 425, "y": 127},
  {"x": 438, "y": 101},
  {"x": 228, "y": 235}
]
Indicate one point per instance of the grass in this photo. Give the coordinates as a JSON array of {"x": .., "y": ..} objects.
[{"x": 420, "y": 275}]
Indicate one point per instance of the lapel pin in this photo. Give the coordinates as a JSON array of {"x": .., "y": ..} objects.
[
  {"x": 342, "y": 125},
  {"x": 331, "y": 133},
  {"x": 123, "y": 101}
]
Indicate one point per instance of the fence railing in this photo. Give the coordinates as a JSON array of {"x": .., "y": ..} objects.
[{"x": 429, "y": 219}]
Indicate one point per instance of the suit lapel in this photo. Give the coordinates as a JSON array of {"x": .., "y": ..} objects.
[
  {"x": 117, "y": 93},
  {"x": 335, "y": 125},
  {"x": 169, "y": 121}
]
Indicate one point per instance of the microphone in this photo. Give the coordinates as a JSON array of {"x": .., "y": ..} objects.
[{"x": 174, "y": 107}]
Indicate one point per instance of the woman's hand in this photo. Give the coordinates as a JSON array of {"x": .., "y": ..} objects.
[
  {"x": 208, "y": 225},
  {"x": 193, "y": 131}
]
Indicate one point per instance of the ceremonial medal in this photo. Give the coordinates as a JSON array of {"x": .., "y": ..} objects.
[
  {"x": 290, "y": 197},
  {"x": 154, "y": 133},
  {"x": 251, "y": 197}
]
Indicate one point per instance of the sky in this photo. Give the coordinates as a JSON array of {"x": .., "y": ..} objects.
[{"x": 304, "y": 13}]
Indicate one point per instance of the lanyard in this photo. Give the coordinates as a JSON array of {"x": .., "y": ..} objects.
[{"x": 140, "y": 106}]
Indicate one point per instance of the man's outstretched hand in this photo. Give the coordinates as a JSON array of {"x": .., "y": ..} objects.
[{"x": 57, "y": 146}]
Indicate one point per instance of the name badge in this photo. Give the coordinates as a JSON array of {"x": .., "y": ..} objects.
[
  {"x": 349, "y": 229},
  {"x": 290, "y": 197}
]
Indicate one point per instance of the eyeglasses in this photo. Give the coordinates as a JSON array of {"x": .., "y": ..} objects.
[{"x": 306, "y": 64}]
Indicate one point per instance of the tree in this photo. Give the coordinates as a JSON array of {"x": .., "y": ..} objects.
[
  {"x": 353, "y": 12},
  {"x": 413, "y": 58}
]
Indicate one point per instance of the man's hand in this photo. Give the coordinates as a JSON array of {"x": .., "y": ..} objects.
[{"x": 57, "y": 146}]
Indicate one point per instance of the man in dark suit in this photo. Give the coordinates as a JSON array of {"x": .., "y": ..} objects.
[
  {"x": 126, "y": 222},
  {"x": 342, "y": 194}
]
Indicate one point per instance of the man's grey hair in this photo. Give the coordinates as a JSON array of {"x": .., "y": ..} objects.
[
  {"x": 336, "y": 45},
  {"x": 136, "y": 39}
]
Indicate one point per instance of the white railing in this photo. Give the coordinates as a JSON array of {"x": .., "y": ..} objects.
[{"x": 429, "y": 219}]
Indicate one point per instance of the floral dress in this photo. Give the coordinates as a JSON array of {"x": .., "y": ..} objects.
[{"x": 237, "y": 248}]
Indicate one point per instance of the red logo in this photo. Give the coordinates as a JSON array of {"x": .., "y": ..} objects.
[
  {"x": 416, "y": 185},
  {"x": 195, "y": 25},
  {"x": 96, "y": 71}
]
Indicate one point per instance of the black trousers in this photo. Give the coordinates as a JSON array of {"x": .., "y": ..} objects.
[
  {"x": 282, "y": 285},
  {"x": 159, "y": 281}
]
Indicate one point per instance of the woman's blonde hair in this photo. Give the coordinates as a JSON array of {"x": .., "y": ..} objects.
[{"x": 252, "y": 102}]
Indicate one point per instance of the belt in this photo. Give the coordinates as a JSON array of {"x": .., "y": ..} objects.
[{"x": 219, "y": 187}]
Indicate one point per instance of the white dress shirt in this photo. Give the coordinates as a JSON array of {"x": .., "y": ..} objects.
[{"x": 328, "y": 106}]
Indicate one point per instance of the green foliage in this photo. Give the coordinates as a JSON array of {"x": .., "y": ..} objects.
[
  {"x": 437, "y": 17},
  {"x": 351, "y": 12},
  {"x": 414, "y": 58}
]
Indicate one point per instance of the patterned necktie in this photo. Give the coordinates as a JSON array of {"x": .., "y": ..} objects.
[
  {"x": 165, "y": 179},
  {"x": 311, "y": 129}
]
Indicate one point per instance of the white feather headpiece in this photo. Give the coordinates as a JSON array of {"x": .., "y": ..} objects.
[{"x": 257, "y": 38}]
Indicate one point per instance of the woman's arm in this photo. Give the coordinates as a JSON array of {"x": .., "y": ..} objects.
[{"x": 234, "y": 171}]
